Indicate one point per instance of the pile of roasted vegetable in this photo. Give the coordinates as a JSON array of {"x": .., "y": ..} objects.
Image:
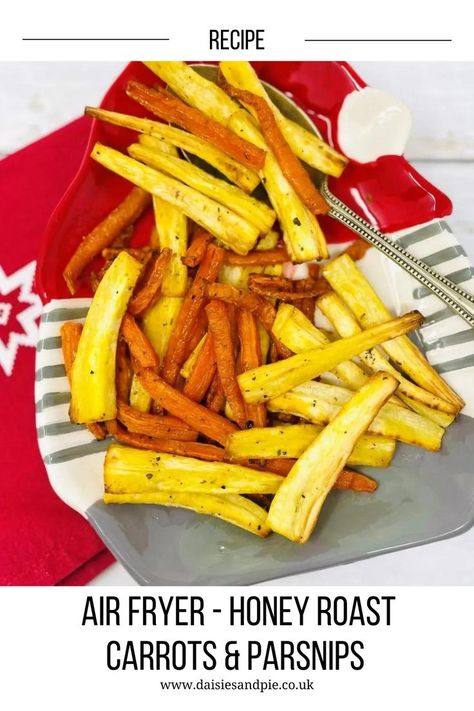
[{"x": 200, "y": 356}]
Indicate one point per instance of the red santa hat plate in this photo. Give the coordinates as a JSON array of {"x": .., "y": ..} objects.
[{"x": 423, "y": 497}]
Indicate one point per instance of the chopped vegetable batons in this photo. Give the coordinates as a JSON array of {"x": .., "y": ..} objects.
[
  {"x": 173, "y": 110},
  {"x": 277, "y": 378},
  {"x": 192, "y": 308},
  {"x": 220, "y": 328},
  {"x": 290, "y": 165},
  {"x": 212, "y": 100},
  {"x": 134, "y": 471},
  {"x": 197, "y": 416},
  {"x": 171, "y": 234},
  {"x": 297, "y": 503},
  {"x": 195, "y": 89},
  {"x": 306, "y": 145},
  {"x": 159, "y": 321},
  {"x": 320, "y": 402},
  {"x": 70, "y": 336},
  {"x": 228, "y": 227},
  {"x": 154, "y": 133},
  {"x": 250, "y": 357},
  {"x": 200, "y": 356},
  {"x": 354, "y": 289},
  {"x": 299, "y": 334},
  {"x": 296, "y": 332},
  {"x": 346, "y": 325},
  {"x": 200, "y": 369},
  {"x": 93, "y": 396},
  {"x": 249, "y": 208},
  {"x": 154, "y": 425},
  {"x": 149, "y": 292}
]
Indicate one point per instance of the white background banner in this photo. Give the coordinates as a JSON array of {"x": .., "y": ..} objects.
[
  {"x": 351, "y": 30},
  {"x": 395, "y": 648}
]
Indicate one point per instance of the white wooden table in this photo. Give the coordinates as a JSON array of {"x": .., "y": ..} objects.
[{"x": 37, "y": 98}]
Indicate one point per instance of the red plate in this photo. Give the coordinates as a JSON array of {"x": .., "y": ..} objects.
[{"x": 388, "y": 192}]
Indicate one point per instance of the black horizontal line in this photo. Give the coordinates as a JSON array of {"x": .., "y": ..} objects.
[
  {"x": 95, "y": 39},
  {"x": 401, "y": 39}
]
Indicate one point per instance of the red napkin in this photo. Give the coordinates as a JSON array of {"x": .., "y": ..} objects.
[{"x": 42, "y": 541}]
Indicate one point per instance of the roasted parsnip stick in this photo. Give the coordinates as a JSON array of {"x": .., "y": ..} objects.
[
  {"x": 127, "y": 471},
  {"x": 209, "y": 98},
  {"x": 298, "y": 334},
  {"x": 93, "y": 396},
  {"x": 297, "y": 503},
  {"x": 346, "y": 325},
  {"x": 276, "y": 378},
  {"x": 157, "y": 132},
  {"x": 229, "y": 228},
  {"x": 235, "y": 509},
  {"x": 353, "y": 288},
  {"x": 159, "y": 322},
  {"x": 320, "y": 403},
  {"x": 70, "y": 336},
  {"x": 253, "y": 211},
  {"x": 290, "y": 441}
]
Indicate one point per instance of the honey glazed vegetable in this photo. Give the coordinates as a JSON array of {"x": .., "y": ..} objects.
[{"x": 199, "y": 358}]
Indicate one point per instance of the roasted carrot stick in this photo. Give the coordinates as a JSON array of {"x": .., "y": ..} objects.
[
  {"x": 149, "y": 292},
  {"x": 193, "y": 305},
  {"x": 139, "y": 345},
  {"x": 208, "y": 452},
  {"x": 199, "y": 330},
  {"x": 357, "y": 249},
  {"x": 272, "y": 282},
  {"x": 354, "y": 481},
  {"x": 203, "y": 372},
  {"x": 279, "y": 466},
  {"x": 266, "y": 257},
  {"x": 306, "y": 284},
  {"x": 250, "y": 357},
  {"x": 290, "y": 165},
  {"x": 169, "y": 108},
  {"x": 221, "y": 331},
  {"x": 196, "y": 416},
  {"x": 154, "y": 425},
  {"x": 261, "y": 307},
  {"x": 215, "y": 399},
  {"x": 112, "y": 427},
  {"x": 197, "y": 248},
  {"x": 261, "y": 285},
  {"x": 70, "y": 335},
  {"x": 104, "y": 234}
]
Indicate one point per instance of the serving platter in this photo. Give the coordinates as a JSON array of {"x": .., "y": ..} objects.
[{"x": 422, "y": 496}]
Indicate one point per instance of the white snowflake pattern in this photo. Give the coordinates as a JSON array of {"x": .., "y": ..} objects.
[{"x": 22, "y": 279}]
